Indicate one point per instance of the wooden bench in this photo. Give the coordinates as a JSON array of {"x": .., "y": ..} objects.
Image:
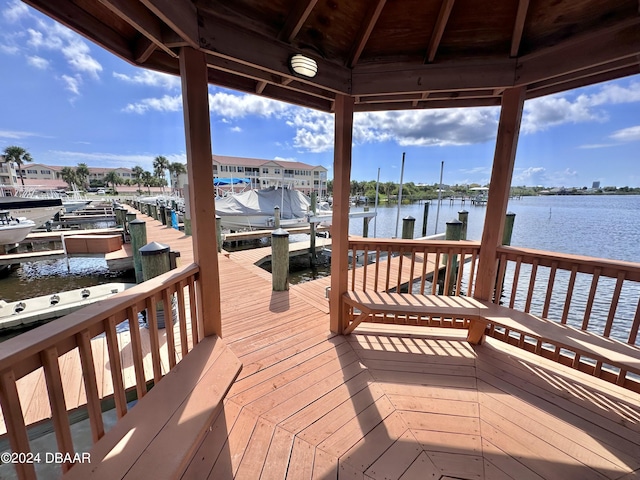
[
  {"x": 484, "y": 313},
  {"x": 159, "y": 436}
]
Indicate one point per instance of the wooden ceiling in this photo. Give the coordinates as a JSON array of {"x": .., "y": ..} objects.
[{"x": 388, "y": 54}]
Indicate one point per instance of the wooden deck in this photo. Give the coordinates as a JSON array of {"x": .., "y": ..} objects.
[{"x": 413, "y": 403}]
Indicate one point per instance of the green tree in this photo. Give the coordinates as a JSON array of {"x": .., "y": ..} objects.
[
  {"x": 137, "y": 172},
  {"x": 147, "y": 179},
  {"x": 19, "y": 156},
  {"x": 82, "y": 173},
  {"x": 69, "y": 175},
  {"x": 175, "y": 170},
  {"x": 113, "y": 178},
  {"x": 160, "y": 165}
]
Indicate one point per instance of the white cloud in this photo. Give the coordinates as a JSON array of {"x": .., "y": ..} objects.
[
  {"x": 597, "y": 145},
  {"x": 239, "y": 106},
  {"x": 9, "y": 49},
  {"x": 77, "y": 54},
  {"x": 531, "y": 176},
  {"x": 111, "y": 159},
  {"x": 167, "y": 103},
  {"x": 282, "y": 159},
  {"x": 631, "y": 134},
  {"x": 236, "y": 129},
  {"x": 72, "y": 83},
  {"x": 38, "y": 62},
  {"x": 15, "y": 11},
  {"x": 151, "y": 79},
  {"x": 15, "y": 134}
]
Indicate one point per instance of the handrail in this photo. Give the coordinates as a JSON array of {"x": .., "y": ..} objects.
[{"x": 43, "y": 347}]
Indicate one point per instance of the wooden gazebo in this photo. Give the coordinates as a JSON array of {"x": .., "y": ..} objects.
[{"x": 364, "y": 55}]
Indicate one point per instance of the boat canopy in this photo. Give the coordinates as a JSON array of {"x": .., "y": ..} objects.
[
  {"x": 220, "y": 182},
  {"x": 292, "y": 203}
]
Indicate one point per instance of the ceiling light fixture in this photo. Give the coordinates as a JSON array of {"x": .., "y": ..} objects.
[{"x": 303, "y": 66}]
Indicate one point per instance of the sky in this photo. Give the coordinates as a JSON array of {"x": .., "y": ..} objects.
[{"x": 67, "y": 101}]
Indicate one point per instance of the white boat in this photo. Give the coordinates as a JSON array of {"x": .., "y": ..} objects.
[
  {"x": 254, "y": 209},
  {"x": 15, "y": 315},
  {"x": 13, "y": 230},
  {"x": 39, "y": 210}
]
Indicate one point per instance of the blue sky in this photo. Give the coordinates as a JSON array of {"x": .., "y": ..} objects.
[{"x": 68, "y": 101}]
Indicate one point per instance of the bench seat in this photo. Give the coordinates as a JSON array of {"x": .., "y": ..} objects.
[
  {"x": 484, "y": 313},
  {"x": 158, "y": 437}
]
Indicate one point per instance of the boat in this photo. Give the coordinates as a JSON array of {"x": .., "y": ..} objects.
[
  {"x": 39, "y": 210},
  {"x": 70, "y": 201},
  {"x": 254, "y": 209},
  {"x": 481, "y": 195},
  {"x": 20, "y": 314},
  {"x": 13, "y": 230}
]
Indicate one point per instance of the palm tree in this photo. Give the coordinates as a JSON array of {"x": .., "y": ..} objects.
[
  {"x": 113, "y": 178},
  {"x": 82, "y": 173},
  {"x": 19, "y": 156},
  {"x": 147, "y": 180},
  {"x": 175, "y": 170},
  {"x": 137, "y": 172},
  {"x": 160, "y": 164},
  {"x": 70, "y": 176}
]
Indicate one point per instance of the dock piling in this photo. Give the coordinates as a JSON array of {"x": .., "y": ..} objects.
[
  {"x": 365, "y": 224},
  {"x": 425, "y": 216},
  {"x": 218, "y": 232},
  {"x": 156, "y": 260},
  {"x": 408, "y": 224},
  {"x": 312, "y": 231},
  {"x": 463, "y": 216},
  {"x": 280, "y": 260},
  {"x": 453, "y": 232},
  {"x": 138, "y": 230}
]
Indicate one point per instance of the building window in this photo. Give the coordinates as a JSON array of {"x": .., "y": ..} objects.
[
  {"x": 224, "y": 168},
  {"x": 265, "y": 170},
  {"x": 33, "y": 172},
  {"x": 276, "y": 171},
  {"x": 240, "y": 169},
  {"x": 45, "y": 172}
]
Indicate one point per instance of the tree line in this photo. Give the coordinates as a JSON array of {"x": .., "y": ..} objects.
[{"x": 79, "y": 176}]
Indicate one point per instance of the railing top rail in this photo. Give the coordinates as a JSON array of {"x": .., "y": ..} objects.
[
  {"x": 566, "y": 261},
  {"x": 37, "y": 340},
  {"x": 399, "y": 242}
]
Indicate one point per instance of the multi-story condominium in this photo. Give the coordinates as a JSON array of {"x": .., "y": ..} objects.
[{"x": 260, "y": 173}]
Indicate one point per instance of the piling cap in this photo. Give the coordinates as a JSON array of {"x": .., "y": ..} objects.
[
  {"x": 154, "y": 248},
  {"x": 453, "y": 221},
  {"x": 280, "y": 233},
  {"x": 463, "y": 211},
  {"x": 137, "y": 221},
  {"x": 409, "y": 218}
]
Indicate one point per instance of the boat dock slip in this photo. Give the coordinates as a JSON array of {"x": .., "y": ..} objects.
[
  {"x": 55, "y": 236},
  {"x": 256, "y": 234}
]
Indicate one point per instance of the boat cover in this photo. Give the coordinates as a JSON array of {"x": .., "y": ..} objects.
[{"x": 292, "y": 203}]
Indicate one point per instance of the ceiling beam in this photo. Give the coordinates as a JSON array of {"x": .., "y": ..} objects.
[
  {"x": 144, "y": 49},
  {"x": 453, "y": 103},
  {"x": 88, "y": 26},
  {"x": 180, "y": 15},
  {"x": 366, "y": 27},
  {"x": 518, "y": 27},
  {"x": 140, "y": 18},
  {"x": 590, "y": 53},
  {"x": 260, "y": 86},
  {"x": 407, "y": 78},
  {"x": 438, "y": 30},
  {"x": 296, "y": 18},
  {"x": 231, "y": 42}
]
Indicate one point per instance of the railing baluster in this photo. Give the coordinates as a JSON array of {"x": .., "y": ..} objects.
[
  {"x": 58, "y": 405},
  {"x": 552, "y": 279},
  {"x": 447, "y": 272},
  {"x": 436, "y": 273},
  {"x": 115, "y": 366},
  {"x": 193, "y": 311},
  {"x": 423, "y": 275},
  {"x": 168, "y": 327},
  {"x": 375, "y": 285},
  {"x": 460, "y": 274},
  {"x": 399, "y": 278},
  {"x": 152, "y": 321},
  {"x": 354, "y": 259},
  {"x": 182, "y": 315},
  {"x": 569, "y": 297},
  {"x": 516, "y": 279},
  {"x": 591, "y": 299},
  {"x": 500, "y": 279},
  {"x": 388, "y": 279},
  {"x": 90, "y": 385},
  {"x": 364, "y": 268},
  {"x": 472, "y": 273},
  {"x": 614, "y": 304},
  {"x": 532, "y": 283},
  {"x": 633, "y": 335},
  {"x": 412, "y": 269},
  {"x": 136, "y": 347},
  {"x": 16, "y": 429}
]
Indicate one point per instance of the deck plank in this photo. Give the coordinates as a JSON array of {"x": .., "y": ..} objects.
[{"x": 278, "y": 455}]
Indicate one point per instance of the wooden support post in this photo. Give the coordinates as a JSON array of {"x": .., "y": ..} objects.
[
  {"x": 408, "y": 224},
  {"x": 312, "y": 231},
  {"x": 156, "y": 261},
  {"x": 509, "y": 220},
  {"x": 340, "y": 223},
  {"x": 161, "y": 214},
  {"x": 195, "y": 101},
  {"x": 453, "y": 231},
  {"x": 463, "y": 216},
  {"x": 499, "y": 187},
  {"x": 365, "y": 224},
  {"x": 280, "y": 260},
  {"x": 138, "y": 230},
  {"x": 187, "y": 212},
  {"x": 276, "y": 217},
  {"x": 425, "y": 216}
]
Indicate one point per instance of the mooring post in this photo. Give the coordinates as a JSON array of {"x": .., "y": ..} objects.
[
  {"x": 156, "y": 261},
  {"x": 129, "y": 217},
  {"x": 408, "y": 223},
  {"x": 280, "y": 260},
  {"x": 453, "y": 231},
  {"x": 138, "y": 229},
  {"x": 153, "y": 211},
  {"x": 508, "y": 228},
  {"x": 463, "y": 216},
  {"x": 425, "y": 216},
  {"x": 167, "y": 216},
  {"x": 312, "y": 231},
  {"x": 365, "y": 224},
  {"x": 276, "y": 216},
  {"x": 218, "y": 232},
  {"x": 162, "y": 218}
]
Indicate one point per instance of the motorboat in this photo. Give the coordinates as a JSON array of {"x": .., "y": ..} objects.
[
  {"x": 38, "y": 210},
  {"x": 13, "y": 230}
]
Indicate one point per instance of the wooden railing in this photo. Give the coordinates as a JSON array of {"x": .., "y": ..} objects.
[
  {"x": 596, "y": 295},
  {"x": 431, "y": 267},
  {"x": 75, "y": 335}
]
